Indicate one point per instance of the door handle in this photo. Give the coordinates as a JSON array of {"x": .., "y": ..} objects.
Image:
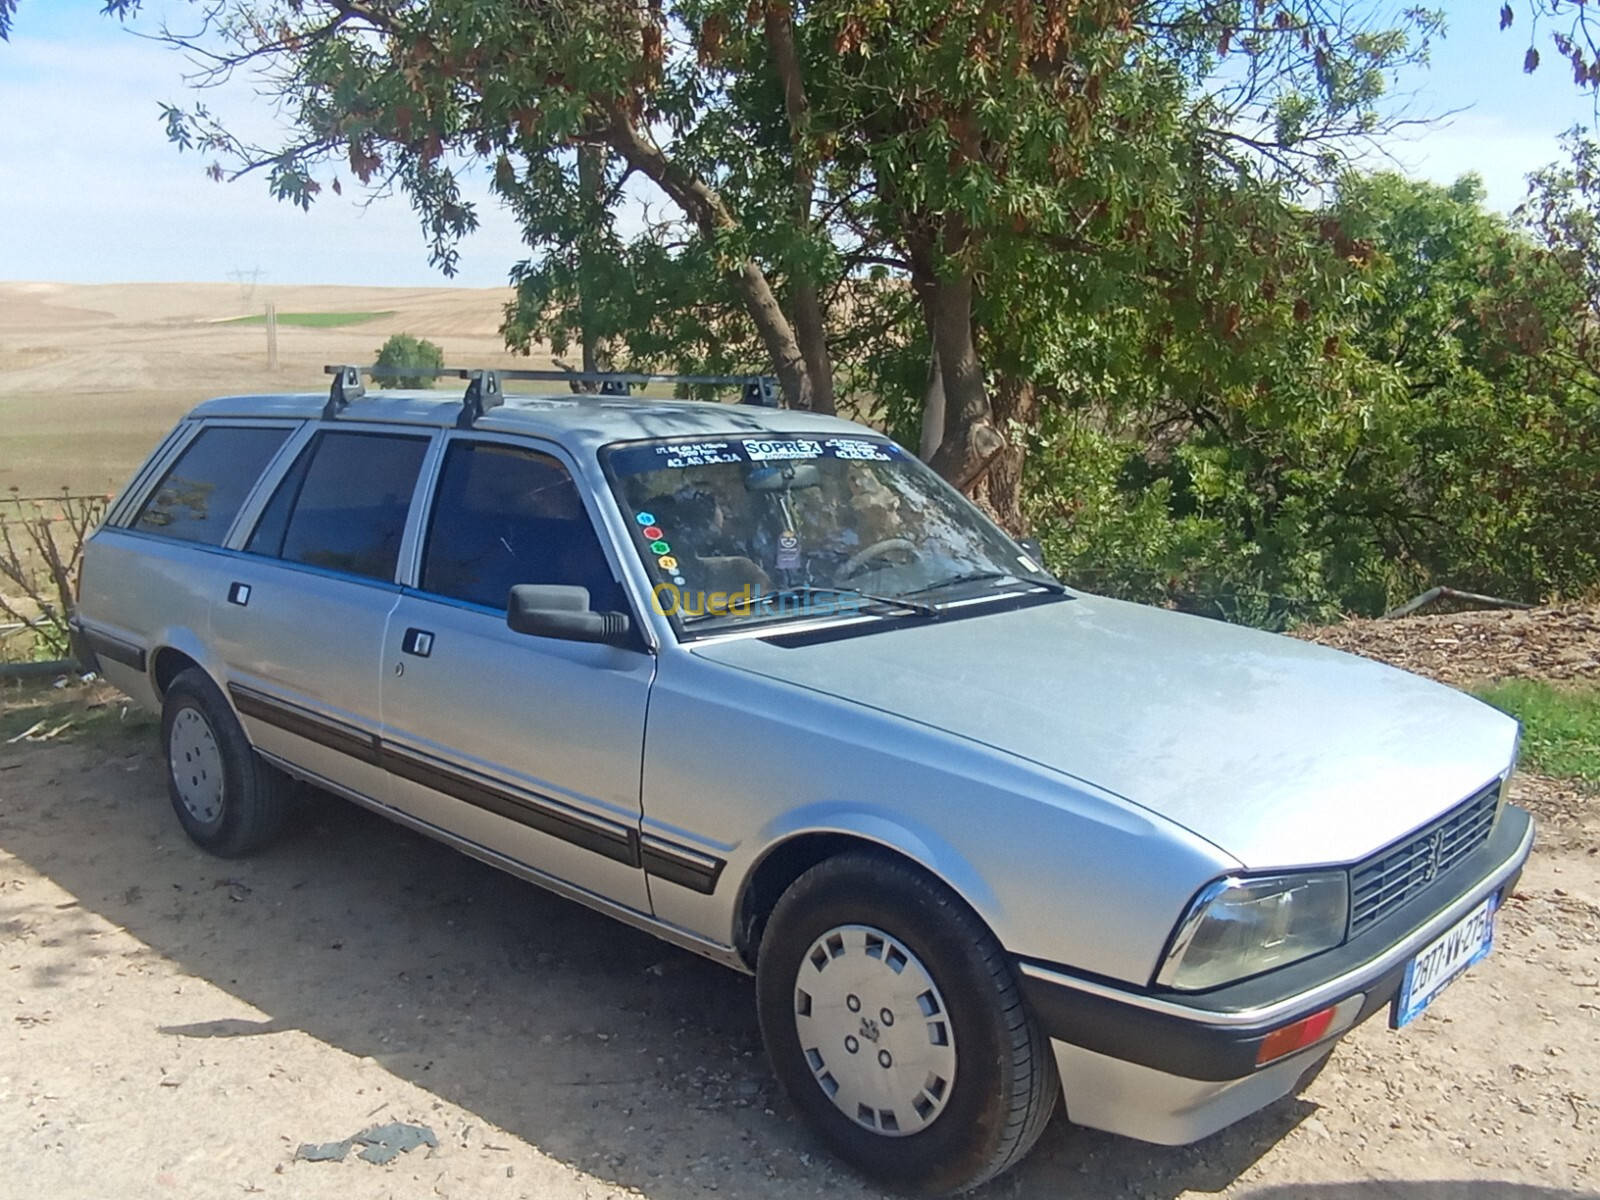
[
  {"x": 418, "y": 642},
  {"x": 239, "y": 593}
]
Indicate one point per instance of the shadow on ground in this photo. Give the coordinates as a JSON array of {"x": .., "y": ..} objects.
[
  {"x": 1463, "y": 1189},
  {"x": 599, "y": 1045}
]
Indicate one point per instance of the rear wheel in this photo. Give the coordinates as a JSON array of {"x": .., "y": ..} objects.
[
  {"x": 894, "y": 1021},
  {"x": 228, "y": 800}
]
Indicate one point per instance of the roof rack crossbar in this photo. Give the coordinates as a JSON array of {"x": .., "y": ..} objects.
[
  {"x": 760, "y": 390},
  {"x": 632, "y": 377},
  {"x": 484, "y": 386}
]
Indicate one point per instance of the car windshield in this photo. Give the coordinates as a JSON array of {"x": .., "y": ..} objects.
[{"x": 747, "y": 528}]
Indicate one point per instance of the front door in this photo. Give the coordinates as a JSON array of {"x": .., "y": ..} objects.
[{"x": 527, "y": 746}]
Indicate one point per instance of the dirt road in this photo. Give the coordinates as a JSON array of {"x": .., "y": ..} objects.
[{"x": 174, "y": 1025}]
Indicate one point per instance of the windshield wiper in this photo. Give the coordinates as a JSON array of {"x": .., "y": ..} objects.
[
  {"x": 1050, "y": 585},
  {"x": 800, "y": 590}
]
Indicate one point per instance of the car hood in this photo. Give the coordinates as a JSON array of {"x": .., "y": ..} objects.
[{"x": 1281, "y": 753}]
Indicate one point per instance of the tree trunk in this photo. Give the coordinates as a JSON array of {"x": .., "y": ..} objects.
[
  {"x": 809, "y": 321},
  {"x": 932, "y": 411},
  {"x": 970, "y": 440},
  {"x": 812, "y": 333},
  {"x": 591, "y": 183},
  {"x": 704, "y": 205},
  {"x": 999, "y": 489}
]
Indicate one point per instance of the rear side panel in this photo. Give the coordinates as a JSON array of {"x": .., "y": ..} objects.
[{"x": 141, "y": 593}]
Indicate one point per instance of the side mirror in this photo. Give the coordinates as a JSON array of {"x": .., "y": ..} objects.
[{"x": 560, "y": 611}]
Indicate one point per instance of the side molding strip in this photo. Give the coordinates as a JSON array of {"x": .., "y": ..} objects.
[
  {"x": 663, "y": 859},
  {"x": 114, "y": 648},
  {"x": 715, "y": 951},
  {"x": 312, "y": 726},
  {"x": 681, "y": 865},
  {"x": 613, "y": 840}
]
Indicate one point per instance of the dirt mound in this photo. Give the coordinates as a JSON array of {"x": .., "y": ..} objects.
[{"x": 1462, "y": 649}]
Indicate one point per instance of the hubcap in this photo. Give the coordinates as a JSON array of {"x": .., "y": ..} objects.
[
  {"x": 874, "y": 1030},
  {"x": 196, "y": 765}
]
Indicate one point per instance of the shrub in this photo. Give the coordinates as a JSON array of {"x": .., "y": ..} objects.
[
  {"x": 402, "y": 351},
  {"x": 41, "y": 551}
]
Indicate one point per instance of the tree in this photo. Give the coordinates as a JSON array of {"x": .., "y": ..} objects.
[
  {"x": 403, "y": 351},
  {"x": 798, "y": 144},
  {"x": 1571, "y": 29},
  {"x": 1403, "y": 407}
]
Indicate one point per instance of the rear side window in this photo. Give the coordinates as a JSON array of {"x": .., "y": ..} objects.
[
  {"x": 504, "y": 515},
  {"x": 343, "y": 504},
  {"x": 199, "y": 497}
]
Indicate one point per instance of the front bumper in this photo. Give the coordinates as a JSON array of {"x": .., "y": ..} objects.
[{"x": 1172, "y": 1067}]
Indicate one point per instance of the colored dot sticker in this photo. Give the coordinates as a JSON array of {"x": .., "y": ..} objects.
[
  {"x": 645, "y": 519},
  {"x": 668, "y": 563},
  {"x": 679, "y": 580},
  {"x": 652, "y": 532},
  {"x": 660, "y": 548}
]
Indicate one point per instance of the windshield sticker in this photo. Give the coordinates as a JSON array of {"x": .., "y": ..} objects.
[
  {"x": 754, "y": 450},
  {"x": 646, "y": 519},
  {"x": 788, "y": 551},
  {"x": 660, "y": 547},
  {"x": 699, "y": 454},
  {"x": 668, "y": 563},
  {"x": 770, "y": 451},
  {"x": 859, "y": 450},
  {"x": 653, "y": 533}
]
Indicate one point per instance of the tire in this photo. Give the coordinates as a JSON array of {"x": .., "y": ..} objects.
[
  {"x": 976, "y": 1081},
  {"x": 228, "y": 800}
]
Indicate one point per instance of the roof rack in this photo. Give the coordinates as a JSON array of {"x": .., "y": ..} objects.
[{"x": 484, "y": 386}]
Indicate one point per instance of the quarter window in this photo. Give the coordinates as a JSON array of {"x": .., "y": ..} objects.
[
  {"x": 343, "y": 504},
  {"x": 505, "y": 515},
  {"x": 197, "y": 500}
]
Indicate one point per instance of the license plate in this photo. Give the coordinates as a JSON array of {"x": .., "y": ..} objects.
[{"x": 1464, "y": 943}]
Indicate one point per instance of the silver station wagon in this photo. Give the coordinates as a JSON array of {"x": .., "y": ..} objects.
[{"x": 759, "y": 682}]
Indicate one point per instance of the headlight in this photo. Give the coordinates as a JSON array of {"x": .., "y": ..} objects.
[{"x": 1240, "y": 927}]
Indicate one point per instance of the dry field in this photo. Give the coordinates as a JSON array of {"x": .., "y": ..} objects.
[{"x": 92, "y": 376}]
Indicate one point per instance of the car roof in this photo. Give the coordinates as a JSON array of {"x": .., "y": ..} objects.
[{"x": 576, "y": 420}]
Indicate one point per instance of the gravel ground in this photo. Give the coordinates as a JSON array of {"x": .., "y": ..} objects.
[{"x": 174, "y": 1025}]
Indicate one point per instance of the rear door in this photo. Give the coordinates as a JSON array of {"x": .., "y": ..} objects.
[
  {"x": 528, "y": 746},
  {"x": 299, "y": 616}
]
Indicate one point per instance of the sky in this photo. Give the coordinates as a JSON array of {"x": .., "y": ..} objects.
[{"x": 91, "y": 191}]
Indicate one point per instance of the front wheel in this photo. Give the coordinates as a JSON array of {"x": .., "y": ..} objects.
[
  {"x": 894, "y": 1021},
  {"x": 228, "y": 800}
]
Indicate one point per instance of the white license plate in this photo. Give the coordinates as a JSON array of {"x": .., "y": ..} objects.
[{"x": 1464, "y": 943}]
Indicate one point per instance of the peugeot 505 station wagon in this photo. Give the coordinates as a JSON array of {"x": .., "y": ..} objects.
[{"x": 759, "y": 682}]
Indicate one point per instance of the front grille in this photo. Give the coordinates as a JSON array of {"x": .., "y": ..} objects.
[{"x": 1389, "y": 878}]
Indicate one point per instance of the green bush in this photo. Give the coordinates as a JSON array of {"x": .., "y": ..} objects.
[{"x": 402, "y": 351}]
